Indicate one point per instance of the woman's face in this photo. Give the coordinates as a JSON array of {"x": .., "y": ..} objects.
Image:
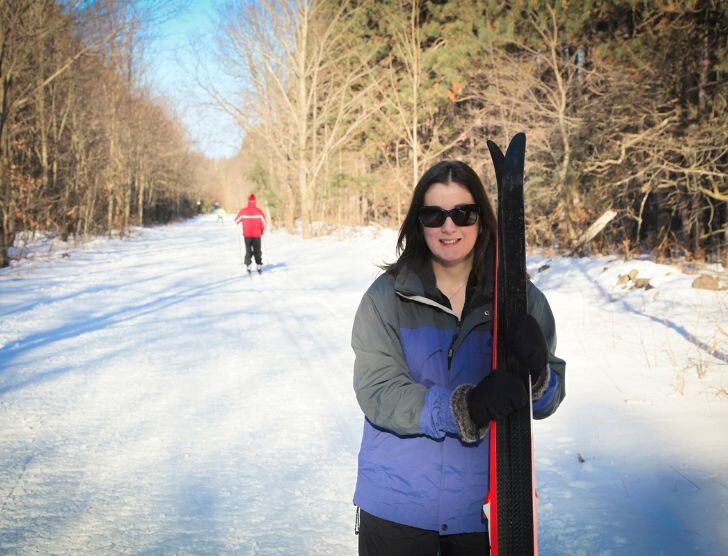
[{"x": 450, "y": 244}]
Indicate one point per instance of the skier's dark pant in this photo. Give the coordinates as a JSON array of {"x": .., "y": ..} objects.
[
  {"x": 252, "y": 249},
  {"x": 379, "y": 537}
]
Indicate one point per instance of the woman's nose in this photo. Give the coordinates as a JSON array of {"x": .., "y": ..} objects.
[{"x": 448, "y": 225}]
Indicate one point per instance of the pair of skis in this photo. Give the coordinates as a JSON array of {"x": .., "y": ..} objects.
[{"x": 510, "y": 505}]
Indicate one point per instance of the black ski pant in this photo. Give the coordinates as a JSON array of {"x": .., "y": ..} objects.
[
  {"x": 252, "y": 249},
  {"x": 379, "y": 537}
]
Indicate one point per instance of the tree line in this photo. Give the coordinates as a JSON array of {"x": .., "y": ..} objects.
[
  {"x": 85, "y": 147},
  {"x": 345, "y": 103}
]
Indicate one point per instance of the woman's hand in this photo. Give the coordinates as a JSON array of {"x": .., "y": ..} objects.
[
  {"x": 528, "y": 344},
  {"x": 499, "y": 394}
]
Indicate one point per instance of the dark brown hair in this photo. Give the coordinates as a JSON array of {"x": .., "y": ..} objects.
[{"x": 411, "y": 245}]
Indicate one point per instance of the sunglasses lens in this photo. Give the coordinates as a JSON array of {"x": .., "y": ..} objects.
[
  {"x": 432, "y": 217},
  {"x": 464, "y": 216},
  {"x": 459, "y": 216}
]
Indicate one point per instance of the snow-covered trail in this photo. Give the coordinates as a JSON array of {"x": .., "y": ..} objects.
[{"x": 156, "y": 399}]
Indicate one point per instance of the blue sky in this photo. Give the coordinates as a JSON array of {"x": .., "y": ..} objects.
[{"x": 172, "y": 55}]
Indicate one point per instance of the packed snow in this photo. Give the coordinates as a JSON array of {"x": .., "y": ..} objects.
[{"x": 156, "y": 399}]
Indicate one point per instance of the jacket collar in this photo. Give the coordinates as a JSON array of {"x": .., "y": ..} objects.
[{"x": 416, "y": 281}]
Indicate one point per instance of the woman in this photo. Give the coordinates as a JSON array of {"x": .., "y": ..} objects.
[{"x": 422, "y": 340}]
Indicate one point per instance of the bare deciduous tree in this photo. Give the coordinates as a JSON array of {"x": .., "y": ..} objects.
[
  {"x": 303, "y": 87},
  {"x": 74, "y": 121}
]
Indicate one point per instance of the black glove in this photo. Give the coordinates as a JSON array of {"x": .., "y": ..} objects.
[
  {"x": 527, "y": 343},
  {"x": 496, "y": 396}
]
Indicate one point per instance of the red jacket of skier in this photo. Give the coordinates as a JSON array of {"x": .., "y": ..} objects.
[{"x": 252, "y": 218}]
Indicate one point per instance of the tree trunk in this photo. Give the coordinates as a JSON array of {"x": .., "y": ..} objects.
[
  {"x": 7, "y": 231},
  {"x": 140, "y": 194}
]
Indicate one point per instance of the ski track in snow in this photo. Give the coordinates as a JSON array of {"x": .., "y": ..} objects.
[{"x": 156, "y": 399}]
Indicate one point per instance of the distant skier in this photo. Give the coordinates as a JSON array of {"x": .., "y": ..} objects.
[
  {"x": 220, "y": 213},
  {"x": 253, "y": 221}
]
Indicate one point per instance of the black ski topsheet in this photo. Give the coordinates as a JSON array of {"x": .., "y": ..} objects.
[{"x": 511, "y": 500}]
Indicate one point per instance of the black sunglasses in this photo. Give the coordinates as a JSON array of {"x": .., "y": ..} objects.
[{"x": 461, "y": 215}]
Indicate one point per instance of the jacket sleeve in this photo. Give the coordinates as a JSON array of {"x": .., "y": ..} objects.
[
  {"x": 549, "y": 401},
  {"x": 384, "y": 388}
]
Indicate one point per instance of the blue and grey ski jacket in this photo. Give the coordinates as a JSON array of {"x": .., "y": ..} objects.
[{"x": 412, "y": 352}]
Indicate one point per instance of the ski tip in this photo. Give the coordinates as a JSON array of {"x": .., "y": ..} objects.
[
  {"x": 518, "y": 142},
  {"x": 495, "y": 152}
]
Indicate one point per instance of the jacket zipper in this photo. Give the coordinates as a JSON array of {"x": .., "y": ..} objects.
[
  {"x": 427, "y": 301},
  {"x": 451, "y": 350}
]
